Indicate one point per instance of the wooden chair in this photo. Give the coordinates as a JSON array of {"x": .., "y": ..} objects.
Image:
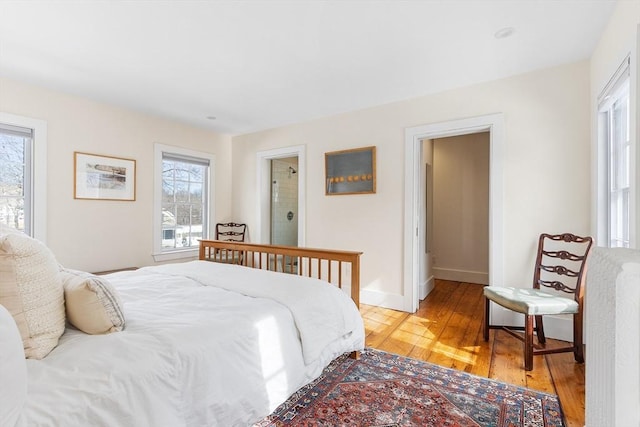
[
  {"x": 230, "y": 232},
  {"x": 560, "y": 265}
]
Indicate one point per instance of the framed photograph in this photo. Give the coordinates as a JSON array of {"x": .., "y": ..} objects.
[
  {"x": 104, "y": 177},
  {"x": 350, "y": 171}
]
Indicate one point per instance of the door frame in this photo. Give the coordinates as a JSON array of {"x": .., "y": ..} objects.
[
  {"x": 263, "y": 209},
  {"x": 413, "y": 215}
]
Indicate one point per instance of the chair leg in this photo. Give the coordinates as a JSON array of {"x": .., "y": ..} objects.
[
  {"x": 485, "y": 329},
  {"x": 528, "y": 342},
  {"x": 578, "y": 352},
  {"x": 540, "y": 330}
]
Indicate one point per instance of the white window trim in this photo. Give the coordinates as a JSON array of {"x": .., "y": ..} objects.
[
  {"x": 627, "y": 66},
  {"x": 158, "y": 254},
  {"x": 38, "y": 171}
]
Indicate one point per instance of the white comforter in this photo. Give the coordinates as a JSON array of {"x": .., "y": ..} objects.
[{"x": 196, "y": 350}]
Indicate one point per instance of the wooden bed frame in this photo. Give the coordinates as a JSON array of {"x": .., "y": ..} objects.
[{"x": 328, "y": 265}]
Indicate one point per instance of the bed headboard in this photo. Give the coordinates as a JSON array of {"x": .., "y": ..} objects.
[{"x": 338, "y": 267}]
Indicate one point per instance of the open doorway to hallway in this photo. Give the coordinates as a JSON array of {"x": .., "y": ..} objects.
[
  {"x": 418, "y": 276},
  {"x": 459, "y": 211}
]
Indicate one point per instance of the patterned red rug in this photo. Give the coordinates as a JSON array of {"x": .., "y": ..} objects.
[{"x": 385, "y": 390}]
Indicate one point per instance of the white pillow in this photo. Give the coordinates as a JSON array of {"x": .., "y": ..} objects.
[
  {"x": 92, "y": 304},
  {"x": 13, "y": 370},
  {"x": 31, "y": 290}
]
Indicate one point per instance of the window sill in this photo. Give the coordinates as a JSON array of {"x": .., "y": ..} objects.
[{"x": 174, "y": 255}]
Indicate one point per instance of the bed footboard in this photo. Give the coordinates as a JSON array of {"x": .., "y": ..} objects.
[{"x": 341, "y": 268}]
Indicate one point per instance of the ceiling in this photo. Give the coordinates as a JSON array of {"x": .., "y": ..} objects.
[{"x": 255, "y": 65}]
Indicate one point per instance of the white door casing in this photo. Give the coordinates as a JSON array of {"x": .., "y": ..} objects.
[
  {"x": 263, "y": 210},
  {"x": 413, "y": 217}
]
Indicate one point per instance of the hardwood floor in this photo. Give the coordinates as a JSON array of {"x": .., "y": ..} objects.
[{"x": 447, "y": 330}]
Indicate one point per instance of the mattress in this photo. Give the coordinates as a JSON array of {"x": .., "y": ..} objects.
[{"x": 205, "y": 344}]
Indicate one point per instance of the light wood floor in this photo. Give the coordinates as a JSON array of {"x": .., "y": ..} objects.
[{"x": 447, "y": 331}]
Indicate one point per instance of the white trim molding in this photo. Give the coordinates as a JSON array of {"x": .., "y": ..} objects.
[
  {"x": 426, "y": 287},
  {"x": 494, "y": 124},
  {"x": 381, "y": 299},
  {"x": 457, "y": 275},
  {"x": 38, "y": 171},
  {"x": 263, "y": 173},
  {"x": 180, "y": 254}
]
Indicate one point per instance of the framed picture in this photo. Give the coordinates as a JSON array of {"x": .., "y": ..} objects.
[
  {"x": 104, "y": 177},
  {"x": 350, "y": 171}
]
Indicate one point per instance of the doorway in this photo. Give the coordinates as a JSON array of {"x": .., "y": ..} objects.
[
  {"x": 284, "y": 201},
  {"x": 265, "y": 185},
  {"x": 415, "y": 263},
  {"x": 460, "y": 208}
]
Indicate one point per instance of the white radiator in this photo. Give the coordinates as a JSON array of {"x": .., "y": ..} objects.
[{"x": 612, "y": 317}]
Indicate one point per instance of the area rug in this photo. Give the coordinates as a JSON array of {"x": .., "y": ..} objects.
[{"x": 384, "y": 390}]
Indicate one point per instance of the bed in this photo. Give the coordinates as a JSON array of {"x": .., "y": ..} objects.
[{"x": 205, "y": 343}]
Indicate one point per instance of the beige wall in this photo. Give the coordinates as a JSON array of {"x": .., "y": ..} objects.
[
  {"x": 546, "y": 130},
  {"x": 101, "y": 235},
  {"x": 546, "y": 169},
  {"x": 461, "y": 208}
]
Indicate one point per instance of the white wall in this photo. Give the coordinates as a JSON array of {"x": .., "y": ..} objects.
[
  {"x": 102, "y": 235},
  {"x": 461, "y": 208},
  {"x": 619, "y": 40},
  {"x": 610, "y": 399},
  {"x": 546, "y": 170}
]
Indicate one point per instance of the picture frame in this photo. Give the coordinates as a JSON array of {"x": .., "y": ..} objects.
[
  {"x": 350, "y": 171},
  {"x": 98, "y": 177}
]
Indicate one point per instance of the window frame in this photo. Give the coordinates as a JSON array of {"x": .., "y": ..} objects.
[
  {"x": 619, "y": 86},
  {"x": 160, "y": 254},
  {"x": 37, "y": 176}
]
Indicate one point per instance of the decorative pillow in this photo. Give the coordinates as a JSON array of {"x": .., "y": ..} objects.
[
  {"x": 92, "y": 304},
  {"x": 13, "y": 370},
  {"x": 31, "y": 290}
]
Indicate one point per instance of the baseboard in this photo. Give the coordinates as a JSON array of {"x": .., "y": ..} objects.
[
  {"x": 461, "y": 275},
  {"x": 382, "y": 299},
  {"x": 426, "y": 288},
  {"x": 393, "y": 301}
]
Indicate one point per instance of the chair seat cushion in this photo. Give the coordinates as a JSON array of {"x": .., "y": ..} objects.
[{"x": 530, "y": 301}]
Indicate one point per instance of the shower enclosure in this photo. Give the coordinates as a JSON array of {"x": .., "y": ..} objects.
[{"x": 284, "y": 201}]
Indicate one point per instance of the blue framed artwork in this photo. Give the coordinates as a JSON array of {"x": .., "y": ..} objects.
[{"x": 350, "y": 171}]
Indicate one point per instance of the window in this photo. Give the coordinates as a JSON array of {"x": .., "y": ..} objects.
[
  {"x": 614, "y": 136},
  {"x": 22, "y": 184},
  {"x": 182, "y": 201},
  {"x": 15, "y": 177}
]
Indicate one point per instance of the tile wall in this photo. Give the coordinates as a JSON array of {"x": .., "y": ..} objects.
[{"x": 284, "y": 201}]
